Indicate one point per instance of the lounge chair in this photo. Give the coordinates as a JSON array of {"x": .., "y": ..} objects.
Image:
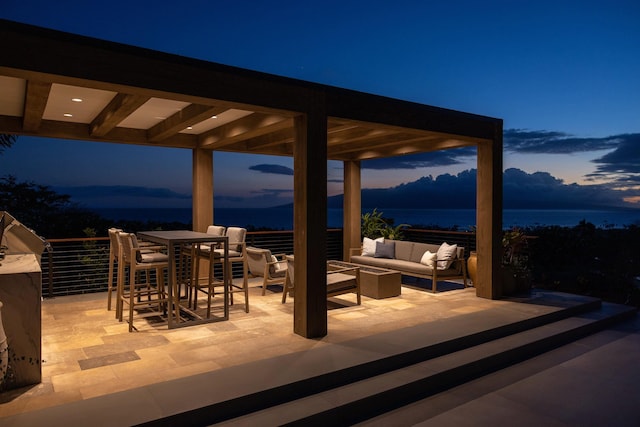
[{"x": 272, "y": 268}]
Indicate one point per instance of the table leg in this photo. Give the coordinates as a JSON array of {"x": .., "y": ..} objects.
[
  {"x": 171, "y": 273},
  {"x": 226, "y": 277}
]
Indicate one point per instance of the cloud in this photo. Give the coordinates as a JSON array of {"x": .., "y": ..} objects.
[
  {"x": 121, "y": 191},
  {"x": 125, "y": 196},
  {"x": 620, "y": 166},
  {"x": 528, "y": 142},
  {"x": 623, "y": 163},
  {"x": 550, "y": 142},
  {"x": 273, "y": 192},
  {"x": 539, "y": 190},
  {"x": 264, "y": 198},
  {"x": 273, "y": 169},
  {"x": 421, "y": 160},
  {"x": 228, "y": 199},
  {"x": 518, "y": 141},
  {"x": 624, "y": 159}
]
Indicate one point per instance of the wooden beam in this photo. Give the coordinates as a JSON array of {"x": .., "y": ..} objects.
[
  {"x": 79, "y": 131},
  {"x": 356, "y": 134},
  {"x": 347, "y": 104},
  {"x": 188, "y": 116},
  {"x": 12, "y": 125},
  {"x": 118, "y": 109},
  {"x": 375, "y": 140},
  {"x": 395, "y": 145},
  {"x": 34, "y": 104},
  {"x": 335, "y": 127},
  {"x": 283, "y": 136},
  {"x": 358, "y": 124},
  {"x": 250, "y": 126}
]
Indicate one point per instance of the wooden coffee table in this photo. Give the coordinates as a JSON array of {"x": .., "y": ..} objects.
[{"x": 376, "y": 282}]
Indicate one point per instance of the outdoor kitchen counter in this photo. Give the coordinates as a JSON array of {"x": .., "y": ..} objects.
[{"x": 20, "y": 293}]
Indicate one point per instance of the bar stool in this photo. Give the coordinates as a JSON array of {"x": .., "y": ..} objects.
[
  {"x": 142, "y": 260},
  {"x": 214, "y": 256},
  {"x": 114, "y": 252}
]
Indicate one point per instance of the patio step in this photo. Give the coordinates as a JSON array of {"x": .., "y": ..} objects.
[
  {"x": 346, "y": 395},
  {"x": 377, "y": 395}
]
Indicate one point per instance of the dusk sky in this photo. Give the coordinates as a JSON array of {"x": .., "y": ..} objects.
[{"x": 563, "y": 75}]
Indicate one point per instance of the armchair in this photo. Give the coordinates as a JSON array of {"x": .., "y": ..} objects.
[{"x": 272, "y": 268}]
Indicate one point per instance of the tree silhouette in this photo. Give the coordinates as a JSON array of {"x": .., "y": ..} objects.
[
  {"x": 41, "y": 209},
  {"x": 6, "y": 141}
]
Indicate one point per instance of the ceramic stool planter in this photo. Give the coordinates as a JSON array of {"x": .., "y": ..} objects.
[{"x": 472, "y": 267}]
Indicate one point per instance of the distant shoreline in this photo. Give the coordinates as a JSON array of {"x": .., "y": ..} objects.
[{"x": 281, "y": 218}]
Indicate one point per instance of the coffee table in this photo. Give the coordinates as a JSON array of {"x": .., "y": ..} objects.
[{"x": 375, "y": 282}]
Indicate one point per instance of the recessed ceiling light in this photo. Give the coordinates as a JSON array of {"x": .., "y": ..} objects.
[
  {"x": 68, "y": 115},
  {"x": 189, "y": 127},
  {"x": 214, "y": 117},
  {"x": 76, "y": 99}
]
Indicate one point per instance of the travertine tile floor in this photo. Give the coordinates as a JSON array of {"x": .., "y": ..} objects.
[{"x": 88, "y": 353}]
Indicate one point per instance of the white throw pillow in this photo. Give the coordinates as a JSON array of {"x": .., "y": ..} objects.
[
  {"x": 428, "y": 259},
  {"x": 280, "y": 265},
  {"x": 445, "y": 255},
  {"x": 369, "y": 246}
]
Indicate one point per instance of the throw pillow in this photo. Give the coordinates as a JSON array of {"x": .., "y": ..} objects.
[
  {"x": 385, "y": 250},
  {"x": 445, "y": 255},
  {"x": 278, "y": 264},
  {"x": 429, "y": 259},
  {"x": 369, "y": 246}
]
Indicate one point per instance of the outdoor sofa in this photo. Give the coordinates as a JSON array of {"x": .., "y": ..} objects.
[{"x": 425, "y": 260}]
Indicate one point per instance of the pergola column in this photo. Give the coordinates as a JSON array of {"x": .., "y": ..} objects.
[
  {"x": 202, "y": 183},
  {"x": 310, "y": 222},
  {"x": 352, "y": 207},
  {"x": 489, "y": 217}
]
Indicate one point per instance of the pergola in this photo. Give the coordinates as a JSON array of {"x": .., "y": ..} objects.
[{"x": 132, "y": 95}]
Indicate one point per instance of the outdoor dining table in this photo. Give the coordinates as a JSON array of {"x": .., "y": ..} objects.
[{"x": 171, "y": 239}]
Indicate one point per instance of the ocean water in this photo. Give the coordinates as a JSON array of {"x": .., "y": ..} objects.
[{"x": 463, "y": 219}]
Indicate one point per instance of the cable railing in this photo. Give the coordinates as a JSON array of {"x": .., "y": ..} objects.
[
  {"x": 80, "y": 265},
  {"x": 466, "y": 239}
]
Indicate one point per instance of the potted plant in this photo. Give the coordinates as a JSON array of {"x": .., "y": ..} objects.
[
  {"x": 516, "y": 275},
  {"x": 374, "y": 226}
]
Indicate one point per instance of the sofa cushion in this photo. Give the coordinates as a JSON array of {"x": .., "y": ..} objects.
[
  {"x": 219, "y": 253},
  {"x": 403, "y": 250},
  {"x": 445, "y": 255},
  {"x": 385, "y": 250},
  {"x": 374, "y": 262},
  {"x": 429, "y": 259},
  {"x": 337, "y": 282},
  {"x": 369, "y": 246},
  {"x": 409, "y": 267},
  {"x": 419, "y": 249}
]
